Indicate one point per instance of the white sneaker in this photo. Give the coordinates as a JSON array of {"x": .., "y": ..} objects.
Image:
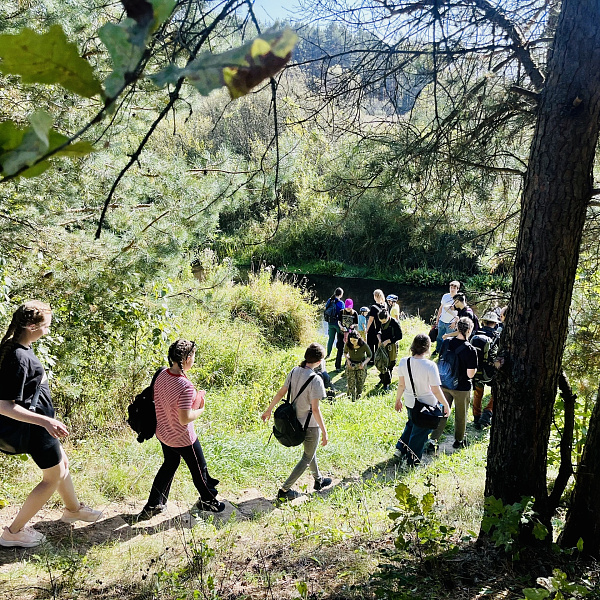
[
  {"x": 25, "y": 538},
  {"x": 398, "y": 454},
  {"x": 85, "y": 513}
]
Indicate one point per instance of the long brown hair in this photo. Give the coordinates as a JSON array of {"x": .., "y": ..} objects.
[{"x": 32, "y": 312}]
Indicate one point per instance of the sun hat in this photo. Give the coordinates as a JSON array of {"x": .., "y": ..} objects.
[
  {"x": 491, "y": 316},
  {"x": 349, "y": 303}
]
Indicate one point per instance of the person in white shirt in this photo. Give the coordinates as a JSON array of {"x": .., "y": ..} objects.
[
  {"x": 446, "y": 314},
  {"x": 428, "y": 389}
]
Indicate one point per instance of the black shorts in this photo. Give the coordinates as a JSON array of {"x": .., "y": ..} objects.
[{"x": 43, "y": 448}]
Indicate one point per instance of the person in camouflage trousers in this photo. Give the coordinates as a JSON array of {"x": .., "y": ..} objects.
[{"x": 358, "y": 354}]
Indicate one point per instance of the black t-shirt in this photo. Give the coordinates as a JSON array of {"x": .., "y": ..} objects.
[
  {"x": 347, "y": 319},
  {"x": 20, "y": 375},
  {"x": 467, "y": 311},
  {"x": 374, "y": 312},
  {"x": 467, "y": 359}
]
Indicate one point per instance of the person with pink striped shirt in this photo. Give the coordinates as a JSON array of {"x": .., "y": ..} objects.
[{"x": 178, "y": 404}]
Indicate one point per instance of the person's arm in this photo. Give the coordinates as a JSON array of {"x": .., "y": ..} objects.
[
  {"x": 54, "y": 427},
  {"x": 401, "y": 388},
  {"x": 187, "y": 415},
  {"x": 450, "y": 335},
  {"x": 370, "y": 321},
  {"x": 368, "y": 355},
  {"x": 439, "y": 314},
  {"x": 316, "y": 410},
  {"x": 471, "y": 373},
  {"x": 276, "y": 398},
  {"x": 437, "y": 392}
]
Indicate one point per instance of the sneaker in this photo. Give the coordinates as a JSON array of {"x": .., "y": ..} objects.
[
  {"x": 287, "y": 496},
  {"x": 151, "y": 511},
  {"x": 486, "y": 418},
  {"x": 25, "y": 538},
  {"x": 398, "y": 453},
  {"x": 461, "y": 444},
  {"x": 85, "y": 513},
  {"x": 321, "y": 483},
  {"x": 431, "y": 447},
  {"x": 210, "y": 505}
]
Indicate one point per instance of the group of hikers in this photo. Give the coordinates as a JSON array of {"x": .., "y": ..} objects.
[
  {"x": 466, "y": 349},
  {"x": 26, "y": 407}
]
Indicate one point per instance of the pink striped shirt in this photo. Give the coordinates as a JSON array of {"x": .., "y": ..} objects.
[{"x": 172, "y": 393}]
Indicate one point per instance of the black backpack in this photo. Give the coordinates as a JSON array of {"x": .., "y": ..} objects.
[
  {"x": 286, "y": 427},
  {"x": 448, "y": 365},
  {"x": 331, "y": 310},
  {"x": 142, "y": 413},
  {"x": 486, "y": 344}
]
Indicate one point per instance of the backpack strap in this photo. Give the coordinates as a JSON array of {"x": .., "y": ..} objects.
[
  {"x": 36, "y": 397},
  {"x": 304, "y": 386},
  {"x": 154, "y": 378}
]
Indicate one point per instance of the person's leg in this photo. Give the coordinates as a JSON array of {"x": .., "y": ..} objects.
[
  {"x": 442, "y": 329},
  {"x": 311, "y": 441},
  {"x": 41, "y": 493},
  {"x": 351, "y": 381},
  {"x": 461, "y": 412},
  {"x": 416, "y": 443},
  {"x": 402, "y": 443},
  {"x": 161, "y": 486},
  {"x": 361, "y": 377},
  {"x": 66, "y": 488},
  {"x": 194, "y": 459},
  {"x": 340, "y": 350},
  {"x": 332, "y": 332},
  {"x": 436, "y": 434},
  {"x": 477, "y": 398}
]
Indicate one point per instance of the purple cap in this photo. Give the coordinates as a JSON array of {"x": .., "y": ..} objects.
[{"x": 349, "y": 303}]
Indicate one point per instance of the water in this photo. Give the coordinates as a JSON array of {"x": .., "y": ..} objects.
[{"x": 413, "y": 301}]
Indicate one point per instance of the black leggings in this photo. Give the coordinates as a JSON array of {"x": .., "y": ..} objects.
[{"x": 194, "y": 458}]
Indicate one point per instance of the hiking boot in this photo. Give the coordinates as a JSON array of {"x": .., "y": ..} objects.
[
  {"x": 287, "y": 496},
  {"x": 150, "y": 511},
  {"x": 25, "y": 538},
  {"x": 323, "y": 482},
  {"x": 431, "y": 447},
  {"x": 85, "y": 513},
  {"x": 461, "y": 444},
  {"x": 210, "y": 505},
  {"x": 486, "y": 419}
]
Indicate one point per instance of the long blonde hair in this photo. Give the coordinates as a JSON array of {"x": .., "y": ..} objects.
[{"x": 31, "y": 313}]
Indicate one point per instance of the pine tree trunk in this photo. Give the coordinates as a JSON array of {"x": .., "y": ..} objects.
[
  {"x": 557, "y": 192},
  {"x": 582, "y": 519}
]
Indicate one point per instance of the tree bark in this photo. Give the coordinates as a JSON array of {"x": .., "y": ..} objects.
[
  {"x": 557, "y": 191},
  {"x": 582, "y": 518}
]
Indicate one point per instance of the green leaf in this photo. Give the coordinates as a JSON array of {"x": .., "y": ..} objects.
[
  {"x": 427, "y": 502},
  {"x": 48, "y": 58},
  {"x": 22, "y": 147},
  {"x": 125, "y": 43},
  {"x": 403, "y": 495},
  {"x": 580, "y": 544},
  {"x": 540, "y": 531},
  {"x": 239, "y": 69},
  {"x": 535, "y": 593},
  {"x": 162, "y": 10}
]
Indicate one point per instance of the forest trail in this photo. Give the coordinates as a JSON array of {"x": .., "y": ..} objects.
[{"x": 118, "y": 520}]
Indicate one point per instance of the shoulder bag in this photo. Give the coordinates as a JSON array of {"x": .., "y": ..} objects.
[{"x": 424, "y": 415}]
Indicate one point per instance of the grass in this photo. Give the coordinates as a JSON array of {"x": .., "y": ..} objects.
[{"x": 330, "y": 546}]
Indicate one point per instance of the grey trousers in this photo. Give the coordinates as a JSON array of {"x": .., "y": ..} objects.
[{"x": 309, "y": 459}]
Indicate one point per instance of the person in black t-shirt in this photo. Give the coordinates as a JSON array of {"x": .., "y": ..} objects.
[
  {"x": 467, "y": 367},
  {"x": 22, "y": 378},
  {"x": 373, "y": 324}
]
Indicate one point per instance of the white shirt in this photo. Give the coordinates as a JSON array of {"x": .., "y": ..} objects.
[
  {"x": 448, "y": 315},
  {"x": 425, "y": 374}
]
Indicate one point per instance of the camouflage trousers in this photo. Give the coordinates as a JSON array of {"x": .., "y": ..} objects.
[{"x": 356, "y": 381}]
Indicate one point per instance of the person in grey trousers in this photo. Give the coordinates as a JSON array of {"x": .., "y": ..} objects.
[{"x": 305, "y": 402}]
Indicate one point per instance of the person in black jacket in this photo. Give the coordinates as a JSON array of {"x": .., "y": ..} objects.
[{"x": 389, "y": 335}]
